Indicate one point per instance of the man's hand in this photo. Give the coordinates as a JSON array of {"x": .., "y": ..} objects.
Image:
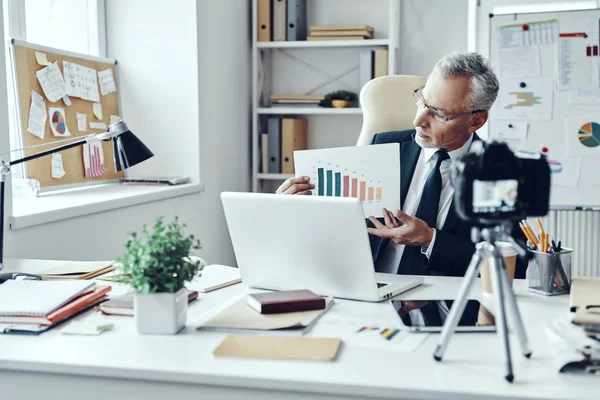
[
  {"x": 402, "y": 229},
  {"x": 297, "y": 185},
  {"x": 408, "y": 306}
]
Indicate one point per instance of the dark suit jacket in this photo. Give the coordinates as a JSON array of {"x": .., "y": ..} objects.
[{"x": 453, "y": 247}]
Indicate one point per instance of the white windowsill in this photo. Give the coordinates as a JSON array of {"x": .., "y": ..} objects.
[{"x": 74, "y": 203}]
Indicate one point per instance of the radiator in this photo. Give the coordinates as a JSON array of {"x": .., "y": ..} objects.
[{"x": 579, "y": 230}]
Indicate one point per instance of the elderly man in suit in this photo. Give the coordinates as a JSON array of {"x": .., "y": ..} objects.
[{"x": 426, "y": 237}]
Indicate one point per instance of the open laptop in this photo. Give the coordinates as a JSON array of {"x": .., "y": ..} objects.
[{"x": 285, "y": 242}]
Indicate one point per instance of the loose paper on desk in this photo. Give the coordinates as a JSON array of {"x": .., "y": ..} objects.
[
  {"x": 37, "y": 115},
  {"x": 582, "y": 135},
  {"x": 527, "y": 99},
  {"x": 107, "y": 82},
  {"x": 81, "y": 81},
  {"x": 58, "y": 122},
  {"x": 519, "y": 62},
  {"x": 215, "y": 277},
  {"x": 93, "y": 160},
  {"x": 82, "y": 122},
  {"x": 97, "y": 107},
  {"x": 368, "y": 173},
  {"x": 41, "y": 58},
  {"x": 52, "y": 82},
  {"x": 57, "y": 166}
]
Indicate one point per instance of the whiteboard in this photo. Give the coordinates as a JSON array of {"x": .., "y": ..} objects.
[{"x": 567, "y": 150}]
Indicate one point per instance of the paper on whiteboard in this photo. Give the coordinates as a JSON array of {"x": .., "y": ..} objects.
[
  {"x": 81, "y": 81},
  {"x": 41, "y": 58},
  {"x": 527, "y": 34},
  {"x": 511, "y": 132},
  {"x": 529, "y": 103},
  {"x": 93, "y": 160},
  {"x": 519, "y": 61},
  {"x": 97, "y": 107},
  {"x": 98, "y": 125},
  {"x": 565, "y": 170},
  {"x": 369, "y": 173},
  {"x": 582, "y": 135},
  {"x": 574, "y": 68},
  {"x": 37, "y": 115},
  {"x": 58, "y": 122},
  {"x": 52, "y": 82},
  {"x": 584, "y": 96},
  {"x": 82, "y": 122},
  {"x": 57, "y": 166},
  {"x": 107, "y": 82}
]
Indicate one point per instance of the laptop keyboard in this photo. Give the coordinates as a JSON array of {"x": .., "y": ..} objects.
[{"x": 381, "y": 284}]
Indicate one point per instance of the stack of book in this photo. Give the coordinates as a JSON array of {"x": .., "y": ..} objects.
[
  {"x": 33, "y": 307},
  {"x": 340, "y": 32},
  {"x": 295, "y": 100}
]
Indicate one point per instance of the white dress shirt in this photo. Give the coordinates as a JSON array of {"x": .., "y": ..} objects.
[{"x": 388, "y": 260}]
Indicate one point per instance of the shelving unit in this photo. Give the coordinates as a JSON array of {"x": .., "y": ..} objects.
[{"x": 318, "y": 67}]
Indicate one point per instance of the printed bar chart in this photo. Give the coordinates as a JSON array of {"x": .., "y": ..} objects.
[{"x": 332, "y": 183}]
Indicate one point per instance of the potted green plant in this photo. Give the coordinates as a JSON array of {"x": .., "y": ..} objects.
[
  {"x": 340, "y": 99},
  {"x": 157, "y": 264}
]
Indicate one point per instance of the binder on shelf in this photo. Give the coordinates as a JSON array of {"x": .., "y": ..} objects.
[
  {"x": 293, "y": 137},
  {"x": 296, "y": 20},
  {"x": 279, "y": 20},
  {"x": 264, "y": 143},
  {"x": 274, "y": 144},
  {"x": 264, "y": 20},
  {"x": 380, "y": 62},
  {"x": 365, "y": 67}
]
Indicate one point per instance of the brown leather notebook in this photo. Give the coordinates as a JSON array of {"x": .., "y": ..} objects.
[{"x": 285, "y": 301}]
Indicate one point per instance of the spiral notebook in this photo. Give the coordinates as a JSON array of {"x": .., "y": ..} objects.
[{"x": 38, "y": 298}]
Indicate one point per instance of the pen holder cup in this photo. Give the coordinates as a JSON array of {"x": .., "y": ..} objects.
[{"x": 550, "y": 273}]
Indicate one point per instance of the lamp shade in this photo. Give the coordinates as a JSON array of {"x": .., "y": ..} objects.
[{"x": 128, "y": 149}]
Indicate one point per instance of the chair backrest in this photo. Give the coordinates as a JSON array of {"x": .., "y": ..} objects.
[{"x": 387, "y": 105}]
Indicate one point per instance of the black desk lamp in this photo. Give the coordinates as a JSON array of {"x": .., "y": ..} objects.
[{"x": 128, "y": 151}]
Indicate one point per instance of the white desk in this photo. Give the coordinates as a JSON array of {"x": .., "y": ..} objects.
[{"x": 123, "y": 364}]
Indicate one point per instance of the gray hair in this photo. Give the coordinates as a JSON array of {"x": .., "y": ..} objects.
[{"x": 484, "y": 83}]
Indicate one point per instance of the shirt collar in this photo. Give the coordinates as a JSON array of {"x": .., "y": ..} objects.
[{"x": 454, "y": 154}]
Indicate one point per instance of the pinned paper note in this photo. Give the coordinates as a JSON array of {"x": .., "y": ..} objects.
[
  {"x": 57, "y": 166},
  {"x": 107, "y": 82},
  {"x": 98, "y": 110},
  {"x": 37, "y": 115},
  {"x": 98, "y": 125},
  {"x": 82, "y": 122},
  {"x": 114, "y": 119},
  {"x": 519, "y": 61},
  {"x": 58, "y": 121},
  {"x": 525, "y": 99},
  {"x": 93, "y": 160},
  {"x": 81, "y": 81},
  {"x": 41, "y": 58},
  {"x": 511, "y": 132},
  {"x": 52, "y": 82},
  {"x": 67, "y": 101}
]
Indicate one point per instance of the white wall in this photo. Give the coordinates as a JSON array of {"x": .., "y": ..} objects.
[
  {"x": 429, "y": 29},
  {"x": 184, "y": 84}
]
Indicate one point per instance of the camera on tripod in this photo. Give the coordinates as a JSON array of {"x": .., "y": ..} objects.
[{"x": 492, "y": 184}]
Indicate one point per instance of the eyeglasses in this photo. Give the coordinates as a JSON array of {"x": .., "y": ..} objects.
[{"x": 435, "y": 114}]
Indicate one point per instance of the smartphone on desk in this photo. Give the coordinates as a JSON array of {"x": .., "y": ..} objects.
[{"x": 429, "y": 316}]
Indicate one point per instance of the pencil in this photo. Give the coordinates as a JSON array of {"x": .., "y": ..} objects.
[
  {"x": 526, "y": 233},
  {"x": 535, "y": 241}
]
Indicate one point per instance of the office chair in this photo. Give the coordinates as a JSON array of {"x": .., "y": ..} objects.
[{"x": 387, "y": 105}]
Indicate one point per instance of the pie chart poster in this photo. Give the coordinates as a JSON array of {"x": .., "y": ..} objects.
[
  {"x": 58, "y": 122},
  {"x": 583, "y": 136}
]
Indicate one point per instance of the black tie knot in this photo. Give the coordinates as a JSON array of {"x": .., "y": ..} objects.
[{"x": 441, "y": 155}]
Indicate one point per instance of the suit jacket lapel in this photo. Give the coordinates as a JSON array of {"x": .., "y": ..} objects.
[
  {"x": 452, "y": 217},
  {"x": 409, "y": 154}
]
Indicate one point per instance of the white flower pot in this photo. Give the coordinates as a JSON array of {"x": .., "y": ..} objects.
[{"x": 161, "y": 313}]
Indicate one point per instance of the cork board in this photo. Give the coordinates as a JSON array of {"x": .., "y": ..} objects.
[{"x": 25, "y": 67}]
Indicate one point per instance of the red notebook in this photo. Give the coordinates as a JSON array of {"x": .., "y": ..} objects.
[
  {"x": 61, "y": 313},
  {"x": 285, "y": 301}
]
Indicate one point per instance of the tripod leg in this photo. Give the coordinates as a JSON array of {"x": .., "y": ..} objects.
[
  {"x": 458, "y": 306},
  {"x": 513, "y": 310},
  {"x": 495, "y": 272}
]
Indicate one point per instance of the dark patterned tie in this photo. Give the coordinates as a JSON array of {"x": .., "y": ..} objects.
[{"x": 412, "y": 259}]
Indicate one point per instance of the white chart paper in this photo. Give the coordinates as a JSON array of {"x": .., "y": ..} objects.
[
  {"x": 584, "y": 96},
  {"x": 527, "y": 99},
  {"x": 369, "y": 173},
  {"x": 107, "y": 82},
  {"x": 574, "y": 68},
  {"x": 582, "y": 135},
  {"x": 519, "y": 62},
  {"x": 58, "y": 122},
  {"x": 81, "y": 81},
  {"x": 52, "y": 82},
  {"x": 37, "y": 115},
  {"x": 57, "y": 166}
]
